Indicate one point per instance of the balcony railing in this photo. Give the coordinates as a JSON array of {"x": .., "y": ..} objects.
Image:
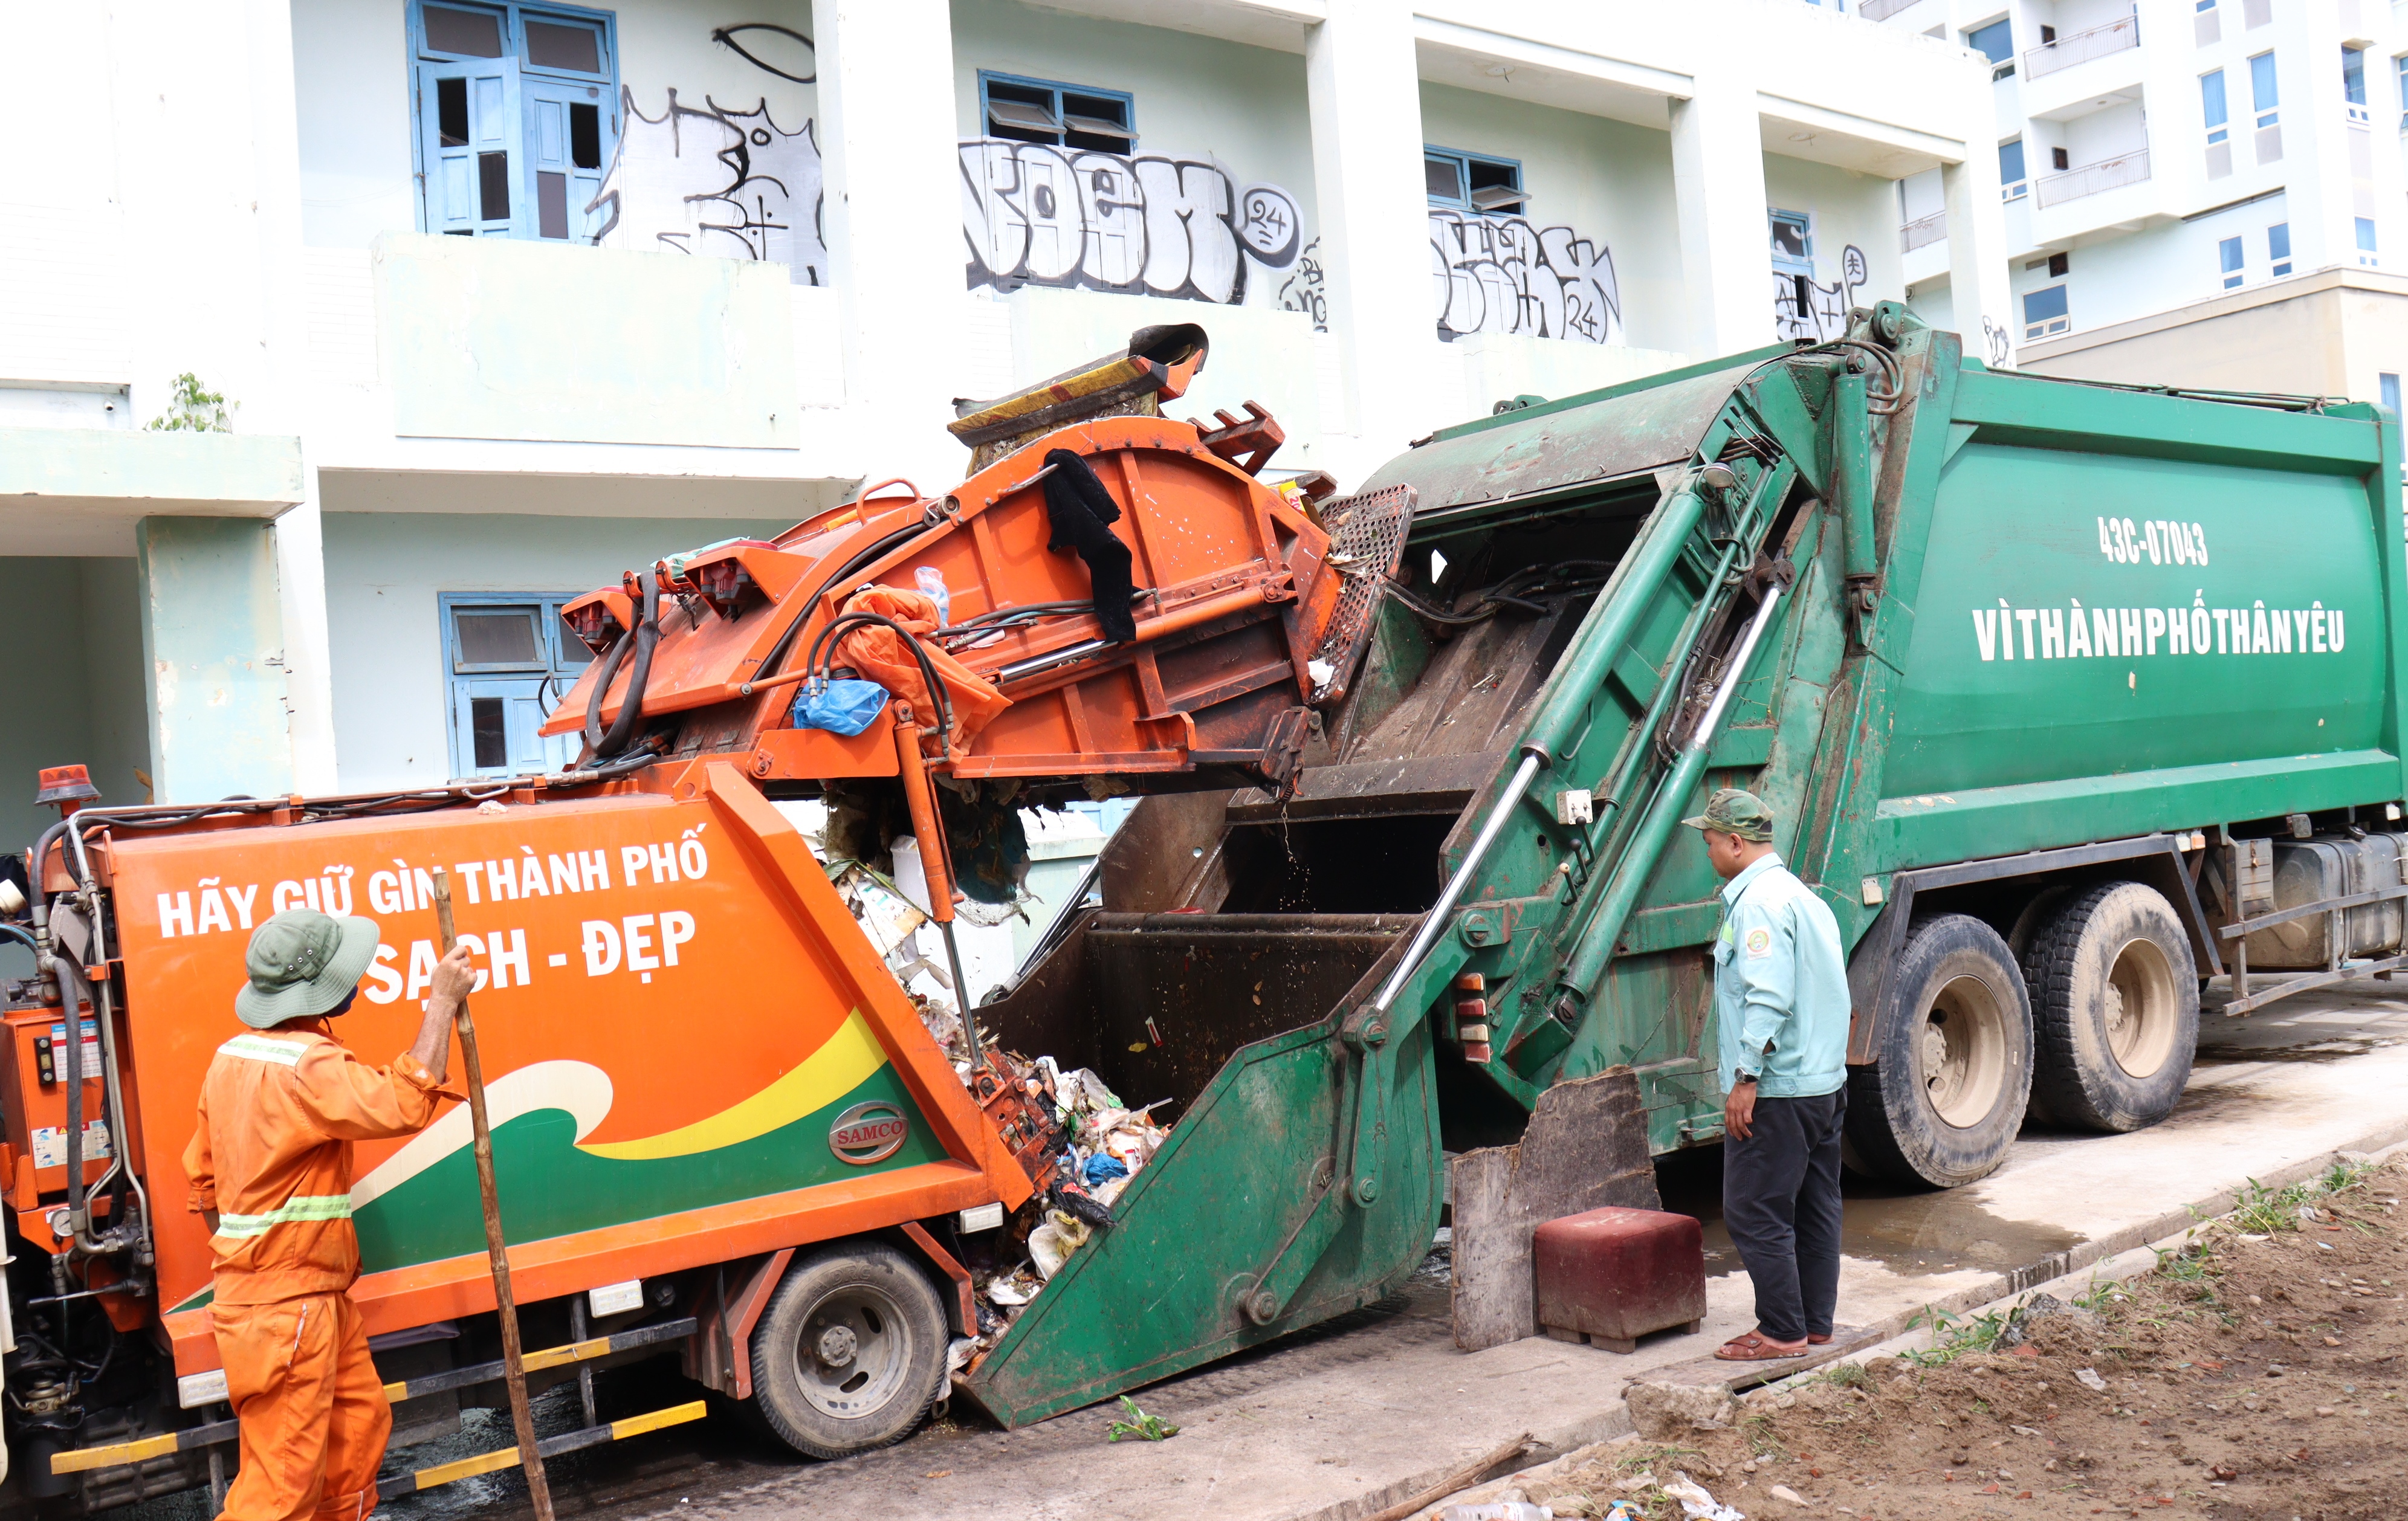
[
  {"x": 2083, "y": 46},
  {"x": 2089, "y": 179},
  {"x": 1881, "y": 11},
  {"x": 1922, "y": 231}
]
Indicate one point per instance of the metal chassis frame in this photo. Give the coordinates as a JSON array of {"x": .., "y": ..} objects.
[
  {"x": 2339, "y": 967},
  {"x": 1869, "y": 968}
]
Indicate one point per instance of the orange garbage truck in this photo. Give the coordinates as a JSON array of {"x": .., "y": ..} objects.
[{"x": 723, "y": 1129}]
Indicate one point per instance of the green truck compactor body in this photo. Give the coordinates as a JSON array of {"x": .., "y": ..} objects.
[{"x": 2067, "y": 698}]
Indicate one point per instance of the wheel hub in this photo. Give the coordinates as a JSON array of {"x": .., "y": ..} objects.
[{"x": 837, "y": 1346}]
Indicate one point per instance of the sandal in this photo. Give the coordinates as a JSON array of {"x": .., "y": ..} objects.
[
  {"x": 1812, "y": 1339},
  {"x": 1755, "y": 1347}
]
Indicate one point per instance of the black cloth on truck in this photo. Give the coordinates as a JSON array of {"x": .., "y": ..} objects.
[{"x": 1078, "y": 508}]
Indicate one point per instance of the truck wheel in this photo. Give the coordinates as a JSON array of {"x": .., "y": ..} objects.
[
  {"x": 2114, "y": 1009},
  {"x": 1943, "y": 1101},
  {"x": 852, "y": 1351}
]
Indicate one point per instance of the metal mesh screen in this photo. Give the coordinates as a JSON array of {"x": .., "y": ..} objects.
[{"x": 1367, "y": 544}]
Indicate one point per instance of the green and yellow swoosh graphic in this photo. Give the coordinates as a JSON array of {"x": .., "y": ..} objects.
[{"x": 422, "y": 1205}]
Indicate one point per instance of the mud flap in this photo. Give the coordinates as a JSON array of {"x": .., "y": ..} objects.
[{"x": 1586, "y": 1149}]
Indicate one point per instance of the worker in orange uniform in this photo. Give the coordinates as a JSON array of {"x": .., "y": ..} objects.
[{"x": 271, "y": 1173}]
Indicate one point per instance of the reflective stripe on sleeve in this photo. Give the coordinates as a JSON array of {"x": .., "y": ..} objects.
[
  {"x": 260, "y": 1049},
  {"x": 301, "y": 1206}
]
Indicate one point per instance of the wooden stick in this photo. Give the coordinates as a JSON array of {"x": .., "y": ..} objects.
[
  {"x": 1461, "y": 1478},
  {"x": 513, "y": 1360}
]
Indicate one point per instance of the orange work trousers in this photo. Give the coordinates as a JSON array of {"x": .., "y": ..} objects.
[{"x": 313, "y": 1412}]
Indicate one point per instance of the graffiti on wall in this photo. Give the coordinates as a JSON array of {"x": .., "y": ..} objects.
[
  {"x": 1505, "y": 275},
  {"x": 1305, "y": 289},
  {"x": 708, "y": 180},
  {"x": 1802, "y": 308},
  {"x": 1034, "y": 214}
]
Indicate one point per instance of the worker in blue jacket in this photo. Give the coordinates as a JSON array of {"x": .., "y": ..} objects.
[{"x": 1780, "y": 1005}]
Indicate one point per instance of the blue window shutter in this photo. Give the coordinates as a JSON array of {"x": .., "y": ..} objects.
[
  {"x": 460, "y": 177},
  {"x": 518, "y": 703},
  {"x": 553, "y": 177}
]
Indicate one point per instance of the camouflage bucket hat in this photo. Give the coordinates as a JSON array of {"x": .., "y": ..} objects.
[
  {"x": 1735, "y": 812},
  {"x": 302, "y": 962}
]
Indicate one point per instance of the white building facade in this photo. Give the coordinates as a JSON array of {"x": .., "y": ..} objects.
[
  {"x": 502, "y": 299},
  {"x": 2157, "y": 156}
]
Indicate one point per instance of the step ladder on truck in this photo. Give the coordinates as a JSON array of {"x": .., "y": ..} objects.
[{"x": 2067, "y": 696}]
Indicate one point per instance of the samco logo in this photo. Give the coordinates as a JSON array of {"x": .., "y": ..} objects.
[{"x": 869, "y": 1132}]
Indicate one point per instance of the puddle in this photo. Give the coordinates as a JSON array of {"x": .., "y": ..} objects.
[
  {"x": 2320, "y": 1051},
  {"x": 1912, "y": 1234}
]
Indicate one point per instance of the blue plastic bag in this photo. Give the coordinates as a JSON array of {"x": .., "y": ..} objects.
[
  {"x": 1102, "y": 1169},
  {"x": 838, "y": 707}
]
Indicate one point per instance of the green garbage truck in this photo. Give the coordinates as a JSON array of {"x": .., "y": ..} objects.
[{"x": 2069, "y": 698}]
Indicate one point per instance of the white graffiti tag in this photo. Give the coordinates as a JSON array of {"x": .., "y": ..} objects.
[
  {"x": 1160, "y": 227},
  {"x": 1804, "y": 309},
  {"x": 715, "y": 181},
  {"x": 1504, "y": 275}
]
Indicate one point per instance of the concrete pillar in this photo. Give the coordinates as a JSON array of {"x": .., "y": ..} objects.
[
  {"x": 1363, "y": 89},
  {"x": 308, "y": 667},
  {"x": 282, "y": 401},
  {"x": 1979, "y": 289},
  {"x": 213, "y": 658},
  {"x": 1718, "y": 196},
  {"x": 893, "y": 225}
]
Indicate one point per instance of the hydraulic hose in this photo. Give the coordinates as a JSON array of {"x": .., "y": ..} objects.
[
  {"x": 611, "y": 661},
  {"x": 631, "y": 709},
  {"x": 72, "y": 1002},
  {"x": 821, "y": 648}
]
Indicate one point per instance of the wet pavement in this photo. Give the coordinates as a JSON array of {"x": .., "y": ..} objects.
[{"x": 1311, "y": 1425}]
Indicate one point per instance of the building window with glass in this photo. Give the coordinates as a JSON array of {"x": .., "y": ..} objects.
[
  {"x": 508, "y": 659},
  {"x": 2217, "y": 117},
  {"x": 1060, "y": 115},
  {"x": 2278, "y": 248},
  {"x": 2044, "y": 313},
  {"x": 1997, "y": 43},
  {"x": 1471, "y": 182},
  {"x": 2389, "y": 385},
  {"x": 2353, "y": 82},
  {"x": 2012, "y": 181},
  {"x": 2228, "y": 258},
  {"x": 2366, "y": 242},
  {"x": 517, "y": 114}
]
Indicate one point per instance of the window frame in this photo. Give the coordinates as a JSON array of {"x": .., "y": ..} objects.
[
  {"x": 1062, "y": 132},
  {"x": 2353, "y": 76},
  {"x": 2019, "y": 187},
  {"x": 2387, "y": 390},
  {"x": 2002, "y": 61},
  {"x": 2278, "y": 263},
  {"x": 2367, "y": 249},
  {"x": 557, "y": 674},
  {"x": 2231, "y": 258},
  {"x": 519, "y": 72},
  {"x": 2053, "y": 324},
  {"x": 1464, "y": 159},
  {"x": 2265, "y": 112},
  {"x": 2215, "y": 108}
]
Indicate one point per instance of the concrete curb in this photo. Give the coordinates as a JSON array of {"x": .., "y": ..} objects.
[{"x": 2119, "y": 1253}]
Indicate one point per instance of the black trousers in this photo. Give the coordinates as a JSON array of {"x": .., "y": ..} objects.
[{"x": 1781, "y": 1200}]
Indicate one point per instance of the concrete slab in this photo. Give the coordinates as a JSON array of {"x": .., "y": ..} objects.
[{"x": 1335, "y": 1423}]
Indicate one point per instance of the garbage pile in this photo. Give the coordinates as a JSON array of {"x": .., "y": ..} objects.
[{"x": 1106, "y": 1145}]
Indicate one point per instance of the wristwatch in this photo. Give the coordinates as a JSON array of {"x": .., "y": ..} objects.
[{"x": 1742, "y": 1075}]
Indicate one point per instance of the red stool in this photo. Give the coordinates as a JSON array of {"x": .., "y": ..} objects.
[{"x": 1610, "y": 1276}]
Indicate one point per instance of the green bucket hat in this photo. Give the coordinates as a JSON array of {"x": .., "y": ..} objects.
[
  {"x": 302, "y": 962},
  {"x": 1732, "y": 811}
]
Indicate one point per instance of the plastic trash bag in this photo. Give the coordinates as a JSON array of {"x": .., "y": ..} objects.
[
  {"x": 1101, "y": 1168},
  {"x": 838, "y": 707},
  {"x": 1697, "y": 1504}
]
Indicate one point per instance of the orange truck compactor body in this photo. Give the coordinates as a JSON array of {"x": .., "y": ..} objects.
[{"x": 696, "y": 1056}]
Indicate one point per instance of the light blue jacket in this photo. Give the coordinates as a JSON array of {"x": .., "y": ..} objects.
[{"x": 1780, "y": 985}]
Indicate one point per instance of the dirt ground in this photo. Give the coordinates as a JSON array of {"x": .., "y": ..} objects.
[{"x": 2259, "y": 1372}]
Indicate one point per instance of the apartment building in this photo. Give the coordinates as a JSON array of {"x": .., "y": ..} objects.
[
  {"x": 2203, "y": 193},
  {"x": 341, "y": 340}
]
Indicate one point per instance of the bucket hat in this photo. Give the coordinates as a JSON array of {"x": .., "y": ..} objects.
[
  {"x": 1732, "y": 811},
  {"x": 302, "y": 962}
]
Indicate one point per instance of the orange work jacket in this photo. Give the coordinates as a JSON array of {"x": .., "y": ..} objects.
[{"x": 280, "y": 1110}]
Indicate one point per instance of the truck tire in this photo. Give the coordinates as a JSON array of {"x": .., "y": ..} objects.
[
  {"x": 1945, "y": 1098},
  {"x": 850, "y": 1353},
  {"x": 2114, "y": 1009}
]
